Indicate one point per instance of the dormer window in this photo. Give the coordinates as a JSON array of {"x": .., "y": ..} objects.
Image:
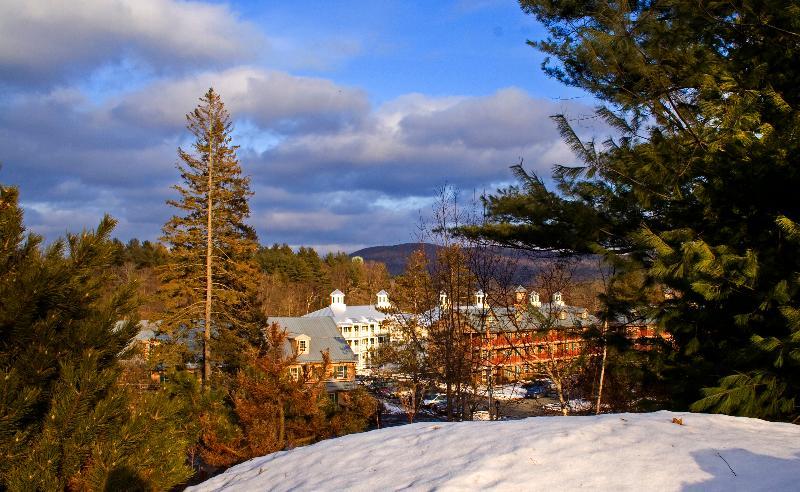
[
  {"x": 520, "y": 294},
  {"x": 303, "y": 344},
  {"x": 558, "y": 299}
]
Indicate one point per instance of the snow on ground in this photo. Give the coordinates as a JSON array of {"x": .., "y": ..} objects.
[
  {"x": 576, "y": 405},
  {"x": 606, "y": 452},
  {"x": 504, "y": 392},
  {"x": 392, "y": 408}
]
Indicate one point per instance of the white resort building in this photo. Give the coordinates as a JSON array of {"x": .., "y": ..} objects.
[{"x": 363, "y": 327}]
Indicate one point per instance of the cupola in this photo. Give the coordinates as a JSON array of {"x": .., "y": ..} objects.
[
  {"x": 383, "y": 300},
  {"x": 480, "y": 299},
  {"x": 337, "y": 300}
]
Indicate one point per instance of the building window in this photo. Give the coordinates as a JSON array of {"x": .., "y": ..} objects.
[
  {"x": 341, "y": 372},
  {"x": 345, "y": 329},
  {"x": 294, "y": 372},
  {"x": 355, "y": 343},
  {"x": 372, "y": 341},
  {"x": 302, "y": 346}
]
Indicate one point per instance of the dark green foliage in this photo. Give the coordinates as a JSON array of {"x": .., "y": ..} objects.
[
  {"x": 64, "y": 420},
  {"x": 303, "y": 266},
  {"x": 141, "y": 254},
  {"x": 698, "y": 190}
]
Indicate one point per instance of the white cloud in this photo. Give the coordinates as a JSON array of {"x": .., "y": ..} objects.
[
  {"x": 45, "y": 39},
  {"x": 415, "y": 143},
  {"x": 274, "y": 101}
]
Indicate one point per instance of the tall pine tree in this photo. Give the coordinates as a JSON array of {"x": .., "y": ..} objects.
[
  {"x": 210, "y": 284},
  {"x": 698, "y": 190}
]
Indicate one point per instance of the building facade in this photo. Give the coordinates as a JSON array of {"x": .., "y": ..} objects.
[
  {"x": 513, "y": 342},
  {"x": 364, "y": 327},
  {"x": 309, "y": 338}
]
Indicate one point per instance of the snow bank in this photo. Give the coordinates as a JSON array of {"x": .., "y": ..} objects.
[{"x": 607, "y": 452}]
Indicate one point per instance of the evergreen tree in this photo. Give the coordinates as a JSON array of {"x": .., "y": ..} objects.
[
  {"x": 65, "y": 422},
  {"x": 210, "y": 282},
  {"x": 698, "y": 190}
]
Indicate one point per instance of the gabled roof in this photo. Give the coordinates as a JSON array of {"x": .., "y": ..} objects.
[
  {"x": 337, "y": 292},
  {"x": 382, "y": 293},
  {"x": 324, "y": 335},
  {"x": 507, "y": 320},
  {"x": 350, "y": 314},
  {"x": 521, "y": 289}
]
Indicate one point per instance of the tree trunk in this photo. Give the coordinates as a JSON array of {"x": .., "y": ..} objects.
[
  {"x": 561, "y": 399},
  {"x": 209, "y": 250},
  {"x": 602, "y": 368},
  {"x": 281, "y": 426}
]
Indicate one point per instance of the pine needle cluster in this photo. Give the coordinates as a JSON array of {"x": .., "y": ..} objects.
[{"x": 65, "y": 422}]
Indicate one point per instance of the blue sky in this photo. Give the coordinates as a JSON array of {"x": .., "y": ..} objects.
[{"x": 350, "y": 115}]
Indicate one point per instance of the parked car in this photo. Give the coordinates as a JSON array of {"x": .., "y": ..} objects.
[{"x": 535, "y": 391}]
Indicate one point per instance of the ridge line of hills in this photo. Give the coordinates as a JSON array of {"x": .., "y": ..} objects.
[{"x": 529, "y": 264}]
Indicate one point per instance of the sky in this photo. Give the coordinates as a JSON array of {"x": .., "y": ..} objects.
[{"x": 350, "y": 115}]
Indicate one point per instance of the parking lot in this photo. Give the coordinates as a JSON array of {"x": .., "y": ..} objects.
[{"x": 512, "y": 408}]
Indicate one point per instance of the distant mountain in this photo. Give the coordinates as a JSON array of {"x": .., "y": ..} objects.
[
  {"x": 395, "y": 257},
  {"x": 528, "y": 264}
]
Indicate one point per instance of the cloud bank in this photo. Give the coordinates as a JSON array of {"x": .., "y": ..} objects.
[{"x": 329, "y": 167}]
